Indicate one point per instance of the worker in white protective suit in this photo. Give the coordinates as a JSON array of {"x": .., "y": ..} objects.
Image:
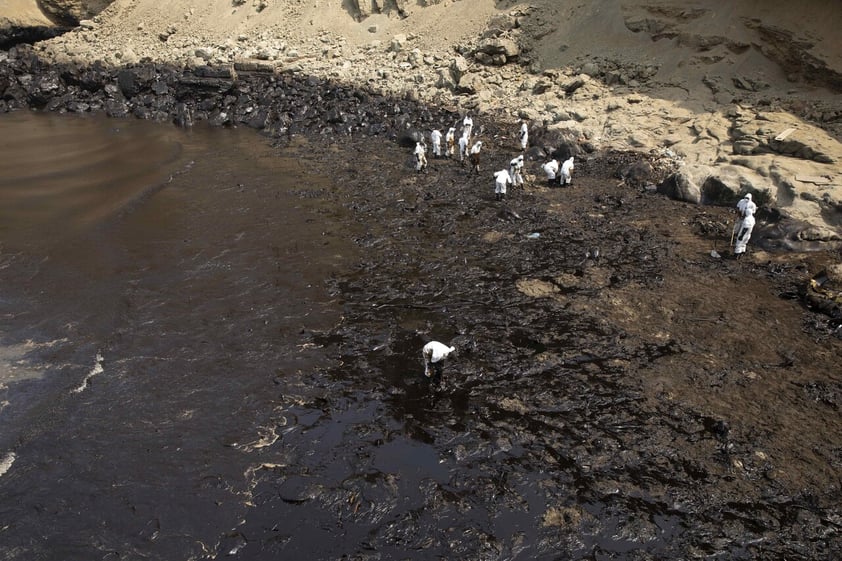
[
  {"x": 566, "y": 176},
  {"x": 746, "y": 204},
  {"x": 420, "y": 156},
  {"x": 551, "y": 169},
  {"x": 524, "y": 135},
  {"x": 743, "y": 205},
  {"x": 744, "y": 233},
  {"x": 450, "y": 142},
  {"x": 475, "y": 151},
  {"x": 463, "y": 148},
  {"x": 516, "y": 171},
  {"x": 435, "y": 138},
  {"x": 467, "y": 126},
  {"x": 434, "y": 354},
  {"x": 502, "y": 180}
]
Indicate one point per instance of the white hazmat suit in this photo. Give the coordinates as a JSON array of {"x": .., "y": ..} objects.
[
  {"x": 551, "y": 169},
  {"x": 420, "y": 156},
  {"x": 463, "y": 147},
  {"x": 435, "y": 137},
  {"x": 744, "y": 234},
  {"x": 567, "y": 172},
  {"x": 475, "y": 151},
  {"x": 745, "y": 204},
  {"x": 434, "y": 354},
  {"x": 516, "y": 171},
  {"x": 524, "y": 135},
  {"x": 450, "y": 142},
  {"x": 501, "y": 181}
]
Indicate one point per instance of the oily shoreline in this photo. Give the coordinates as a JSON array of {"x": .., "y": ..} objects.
[
  {"x": 278, "y": 105},
  {"x": 617, "y": 418}
]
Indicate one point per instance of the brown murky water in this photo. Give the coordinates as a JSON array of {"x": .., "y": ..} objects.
[{"x": 154, "y": 282}]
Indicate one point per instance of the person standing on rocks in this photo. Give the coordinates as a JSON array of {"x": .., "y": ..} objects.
[
  {"x": 743, "y": 205},
  {"x": 463, "y": 148},
  {"x": 551, "y": 169},
  {"x": 467, "y": 126},
  {"x": 516, "y": 171},
  {"x": 502, "y": 180},
  {"x": 450, "y": 142},
  {"x": 566, "y": 177},
  {"x": 434, "y": 354},
  {"x": 435, "y": 137},
  {"x": 420, "y": 156},
  {"x": 475, "y": 151},
  {"x": 746, "y": 226},
  {"x": 524, "y": 135}
]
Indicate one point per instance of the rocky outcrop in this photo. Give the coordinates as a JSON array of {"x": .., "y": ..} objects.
[
  {"x": 71, "y": 12},
  {"x": 27, "y": 21}
]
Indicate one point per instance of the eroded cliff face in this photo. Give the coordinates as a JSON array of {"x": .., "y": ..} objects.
[
  {"x": 71, "y": 12},
  {"x": 28, "y": 21}
]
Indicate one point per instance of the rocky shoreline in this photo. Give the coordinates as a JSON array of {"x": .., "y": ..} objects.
[
  {"x": 283, "y": 104},
  {"x": 650, "y": 392}
]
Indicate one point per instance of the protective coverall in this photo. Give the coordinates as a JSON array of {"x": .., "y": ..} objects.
[
  {"x": 420, "y": 156},
  {"x": 434, "y": 354},
  {"x": 463, "y": 148},
  {"x": 551, "y": 169},
  {"x": 501, "y": 181},
  {"x": 435, "y": 137},
  {"x": 516, "y": 171},
  {"x": 475, "y": 150},
  {"x": 450, "y": 142},
  {"x": 746, "y": 204},
  {"x": 566, "y": 172},
  {"x": 467, "y": 126},
  {"x": 524, "y": 135},
  {"x": 744, "y": 234}
]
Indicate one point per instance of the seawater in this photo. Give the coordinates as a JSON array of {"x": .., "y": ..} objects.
[{"x": 153, "y": 285}]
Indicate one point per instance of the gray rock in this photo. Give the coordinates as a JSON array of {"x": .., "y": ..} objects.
[
  {"x": 458, "y": 68},
  {"x": 499, "y": 46},
  {"x": 445, "y": 80},
  {"x": 471, "y": 83},
  {"x": 590, "y": 69},
  {"x": 72, "y": 12},
  {"x": 398, "y": 43},
  {"x": 680, "y": 186}
]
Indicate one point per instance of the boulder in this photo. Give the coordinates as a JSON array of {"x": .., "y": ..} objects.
[
  {"x": 71, "y": 12},
  {"x": 682, "y": 187},
  {"x": 398, "y": 43},
  {"x": 496, "y": 51},
  {"x": 458, "y": 68},
  {"x": 471, "y": 83}
]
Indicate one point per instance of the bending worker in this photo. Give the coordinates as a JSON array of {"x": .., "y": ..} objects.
[
  {"x": 434, "y": 354},
  {"x": 551, "y": 169},
  {"x": 501, "y": 181}
]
